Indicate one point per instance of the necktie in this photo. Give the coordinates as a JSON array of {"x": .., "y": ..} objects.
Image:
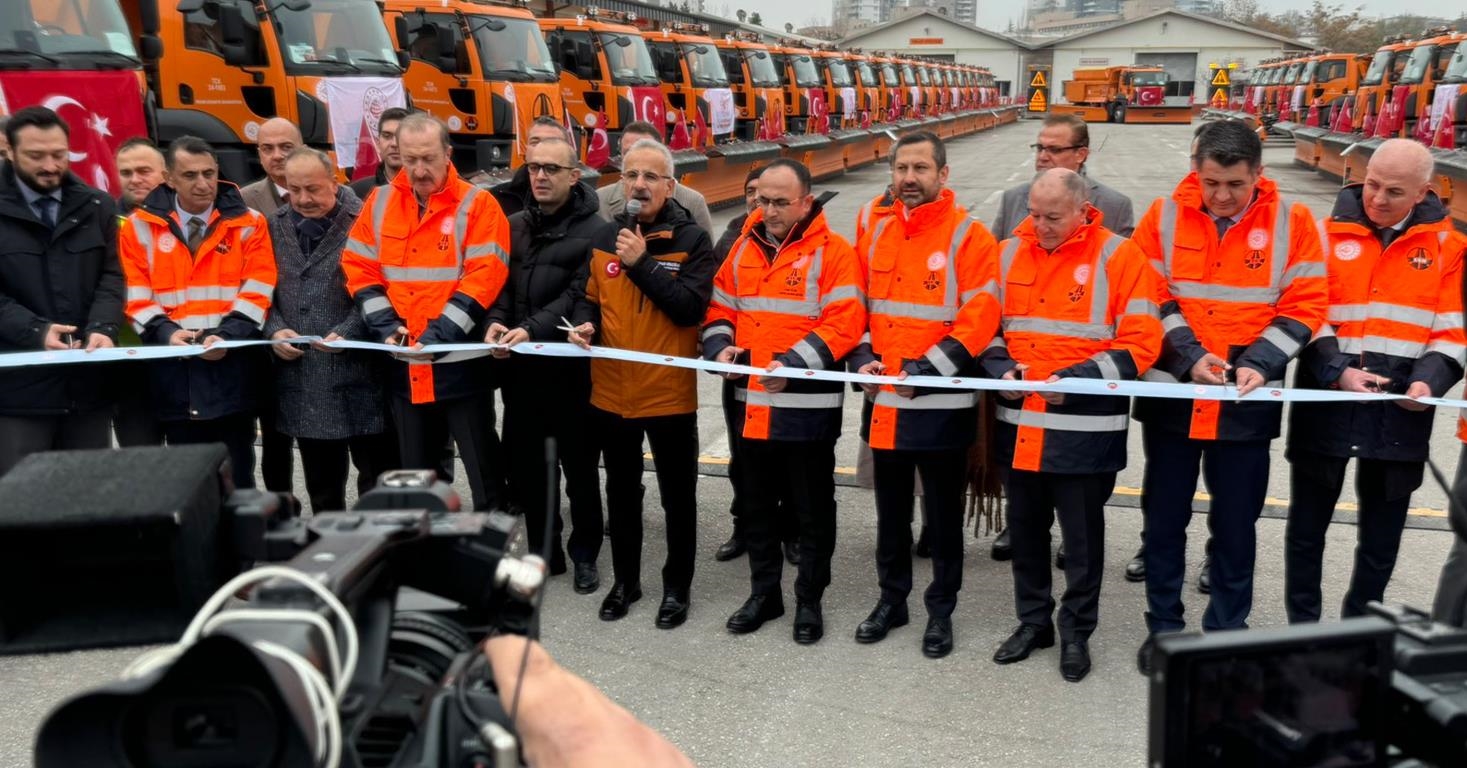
[
  {"x": 46, "y": 211},
  {"x": 195, "y": 234},
  {"x": 1387, "y": 235},
  {"x": 1223, "y": 224}
]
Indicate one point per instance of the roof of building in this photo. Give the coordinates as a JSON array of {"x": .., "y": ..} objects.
[
  {"x": 867, "y": 31},
  {"x": 1287, "y": 42}
]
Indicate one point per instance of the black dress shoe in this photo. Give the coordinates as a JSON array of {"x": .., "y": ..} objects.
[
  {"x": 1136, "y": 569},
  {"x": 1002, "y": 549},
  {"x": 884, "y": 618},
  {"x": 587, "y": 580},
  {"x": 754, "y": 612},
  {"x": 674, "y": 609},
  {"x": 1059, "y": 557},
  {"x": 809, "y": 626},
  {"x": 937, "y": 641},
  {"x": 1023, "y": 642},
  {"x": 923, "y": 547},
  {"x": 730, "y": 549},
  {"x": 618, "y": 600},
  {"x": 1143, "y": 656},
  {"x": 1204, "y": 579},
  {"x": 1074, "y": 660},
  {"x": 792, "y": 552}
]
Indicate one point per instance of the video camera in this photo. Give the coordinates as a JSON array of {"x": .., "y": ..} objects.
[{"x": 318, "y": 666}]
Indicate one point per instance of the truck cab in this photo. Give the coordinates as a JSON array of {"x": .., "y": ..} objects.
[
  {"x": 1335, "y": 79},
  {"x": 1428, "y": 64},
  {"x": 804, "y": 90},
  {"x": 607, "y": 79},
  {"x": 695, "y": 85},
  {"x": 481, "y": 68},
  {"x": 758, "y": 94},
  {"x": 914, "y": 96},
  {"x": 840, "y": 88},
  {"x": 1375, "y": 87},
  {"x": 1450, "y": 103},
  {"x": 868, "y": 88}
]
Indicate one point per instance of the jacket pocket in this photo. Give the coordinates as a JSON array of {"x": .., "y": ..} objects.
[{"x": 1189, "y": 256}]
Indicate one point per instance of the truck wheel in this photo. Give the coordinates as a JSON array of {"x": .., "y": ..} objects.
[{"x": 1118, "y": 112}]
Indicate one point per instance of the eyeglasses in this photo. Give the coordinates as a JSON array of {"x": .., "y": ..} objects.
[
  {"x": 549, "y": 169},
  {"x": 1048, "y": 150},
  {"x": 764, "y": 202},
  {"x": 647, "y": 176}
]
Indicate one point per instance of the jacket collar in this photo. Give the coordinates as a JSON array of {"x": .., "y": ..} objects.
[
  {"x": 161, "y": 202},
  {"x": 12, "y": 201},
  {"x": 1349, "y": 208},
  {"x": 583, "y": 203},
  {"x": 928, "y": 214},
  {"x": 1091, "y": 229},
  {"x": 812, "y": 227},
  {"x": 1188, "y": 195}
]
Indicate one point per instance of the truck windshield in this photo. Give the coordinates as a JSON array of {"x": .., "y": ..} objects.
[
  {"x": 840, "y": 75},
  {"x": 889, "y": 76},
  {"x": 1378, "y": 67},
  {"x": 1417, "y": 65},
  {"x": 1148, "y": 78},
  {"x": 73, "y": 31},
  {"x": 865, "y": 74},
  {"x": 1307, "y": 76},
  {"x": 512, "y": 49},
  {"x": 630, "y": 62},
  {"x": 761, "y": 69},
  {"x": 1457, "y": 70},
  {"x": 336, "y": 37},
  {"x": 1292, "y": 75},
  {"x": 922, "y": 76},
  {"x": 705, "y": 65},
  {"x": 805, "y": 74}
]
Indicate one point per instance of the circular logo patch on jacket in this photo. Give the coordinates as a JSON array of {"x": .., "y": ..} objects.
[
  {"x": 613, "y": 269},
  {"x": 1419, "y": 259},
  {"x": 936, "y": 261},
  {"x": 1257, "y": 239},
  {"x": 446, "y": 227},
  {"x": 167, "y": 243},
  {"x": 1082, "y": 274},
  {"x": 1347, "y": 251}
]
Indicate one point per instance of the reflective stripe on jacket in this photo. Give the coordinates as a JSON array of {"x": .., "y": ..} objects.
[
  {"x": 1253, "y": 298},
  {"x": 434, "y": 274},
  {"x": 932, "y": 299},
  {"x": 1085, "y": 310},
  {"x": 804, "y": 308}
]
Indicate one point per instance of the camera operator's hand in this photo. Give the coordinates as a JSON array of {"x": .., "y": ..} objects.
[{"x": 564, "y": 721}]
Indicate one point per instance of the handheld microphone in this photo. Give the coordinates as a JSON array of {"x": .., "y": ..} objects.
[{"x": 629, "y": 216}]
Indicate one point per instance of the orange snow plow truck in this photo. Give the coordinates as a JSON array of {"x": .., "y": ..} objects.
[{"x": 1120, "y": 95}]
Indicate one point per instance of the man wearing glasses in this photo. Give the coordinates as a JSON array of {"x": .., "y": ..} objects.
[
  {"x": 647, "y": 285},
  {"x": 614, "y": 198},
  {"x": 1064, "y": 142},
  {"x": 550, "y": 241}
]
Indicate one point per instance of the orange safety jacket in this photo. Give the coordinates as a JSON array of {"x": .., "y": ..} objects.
[
  {"x": 435, "y": 274},
  {"x": 1086, "y": 309},
  {"x": 1393, "y": 311},
  {"x": 1253, "y": 298},
  {"x": 932, "y": 297},
  {"x": 801, "y": 302},
  {"x": 223, "y": 289},
  {"x": 873, "y": 211}
]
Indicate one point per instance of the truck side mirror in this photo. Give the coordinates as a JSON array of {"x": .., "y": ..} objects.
[
  {"x": 400, "y": 30},
  {"x": 296, "y": 5},
  {"x": 189, "y": 6},
  {"x": 404, "y": 60},
  {"x": 232, "y": 26},
  {"x": 150, "y": 47}
]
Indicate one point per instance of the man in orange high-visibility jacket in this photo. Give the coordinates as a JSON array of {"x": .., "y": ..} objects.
[
  {"x": 790, "y": 295},
  {"x": 1242, "y": 290},
  {"x": 875, "y": 209},
  {"x": 200, "y": 269},
  {"x": 1078, "y": 302},
  {"x": 1395, "y": 325},
  {"x": 425, "y": 261},
  {"x": 931, "y": 290}
]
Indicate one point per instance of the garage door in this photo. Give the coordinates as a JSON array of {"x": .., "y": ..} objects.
[{"x": 1181, "y": 73}]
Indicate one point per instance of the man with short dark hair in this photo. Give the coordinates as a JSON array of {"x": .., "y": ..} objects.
[
  {"x": 550, "y": 241},
  {"x": 60, "y": 288},
  {"x": 803, "y": 309},
  {"x": 141, "y": 168},
  {"x": 389, "y": 160},
  {"x": 514, "y": 195},
  {"x": 613, "y": 197},
  {"x": 1242, "y": 289},
  {"x": 194, "y": 225}
]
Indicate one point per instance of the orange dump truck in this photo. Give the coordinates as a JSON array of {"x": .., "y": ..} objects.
[{"x": 1120, "y": 95}]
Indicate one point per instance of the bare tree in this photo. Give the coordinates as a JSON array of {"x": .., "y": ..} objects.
[{"x": 755, "y": 19}]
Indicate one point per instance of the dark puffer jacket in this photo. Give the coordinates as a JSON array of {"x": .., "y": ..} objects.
[{"x": 545, "y": 253}]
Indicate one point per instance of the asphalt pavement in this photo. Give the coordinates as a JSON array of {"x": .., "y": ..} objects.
[{"x": 761, "y": 700}]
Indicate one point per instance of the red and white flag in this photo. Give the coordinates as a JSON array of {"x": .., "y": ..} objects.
[{"x": 102, "y": 109}]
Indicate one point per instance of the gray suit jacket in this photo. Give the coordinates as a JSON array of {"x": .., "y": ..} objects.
[
  {"x": 1013, "y": 208},
  {"x": 261, "y": 196},
  {"x": 613, "y": 203},
  {"x": 321, "y": 395}
]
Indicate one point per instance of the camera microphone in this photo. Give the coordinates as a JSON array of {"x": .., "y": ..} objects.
[{"x": 629, "y": 216}]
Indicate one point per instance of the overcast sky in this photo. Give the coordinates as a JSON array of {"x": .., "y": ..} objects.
[{"x": 995, "y": 14}]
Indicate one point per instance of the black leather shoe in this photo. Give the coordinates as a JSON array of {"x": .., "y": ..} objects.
[
  {"x": 1002, "y": 549},
  {"x": 884, "y": 618},
  {"x": 1023, "y": 642},
  {"x": 618, "y": 600},
  {"x": 923, "y": 547},
  {"x": 1074, "y": 660},
  {"x": 1204, "y": 579},
  {"x": 809, "y": 626},
  {"x": 937, "y": 641},
  {"x": 1136, "y": 569},
  {"x": 1059, "y": 557},
  {"x": 730, "y": 549},
  {"x": 1143, "y": 656},
  {"x": 674, "y": 609},
  {"x": 792, "y": 552},
  {"x": 587, "y": 580},
  {"x": 754, "y": 612}
]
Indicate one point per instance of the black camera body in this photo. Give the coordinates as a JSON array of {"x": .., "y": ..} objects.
[{"x": 243, "y": 692}]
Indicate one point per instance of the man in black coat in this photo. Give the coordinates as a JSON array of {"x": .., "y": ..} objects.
[
  {"x": 389, "y": 159},
  {"x": 61, "y": 287},
  {"x": 550, "y": 240}
]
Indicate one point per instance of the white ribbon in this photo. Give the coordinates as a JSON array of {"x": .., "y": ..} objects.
[{"x": 562, "y": 349}]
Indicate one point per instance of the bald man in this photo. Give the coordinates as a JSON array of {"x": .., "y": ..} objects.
[
  {"x": 1394, "y": 262},
  {"x": 275, "y": 141}
]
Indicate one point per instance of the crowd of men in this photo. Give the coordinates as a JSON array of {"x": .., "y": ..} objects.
[{"x": 1221, "y": 283}]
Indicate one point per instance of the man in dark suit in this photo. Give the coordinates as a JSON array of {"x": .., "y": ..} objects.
[
  {"x": 61, "y": 287},
  {"x": 329, "y": 400}
]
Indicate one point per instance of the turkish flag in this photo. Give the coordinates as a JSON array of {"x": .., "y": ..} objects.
[
  {"x": 598, "y": 149},
  {"x": 365, "y": 166},
  {"x": 648, "y": 105},
  {"x": 102, "y": 109}
]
